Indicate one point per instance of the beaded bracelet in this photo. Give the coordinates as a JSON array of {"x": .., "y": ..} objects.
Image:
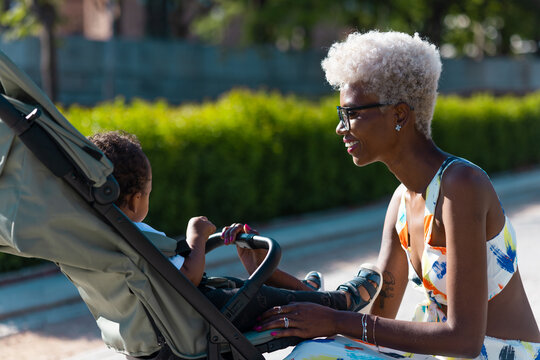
[{"x": 364, "y": 327}]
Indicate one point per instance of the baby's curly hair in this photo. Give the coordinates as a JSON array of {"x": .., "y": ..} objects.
[
  {"x": 395, "y": 66},
  {"x": 131, "y": 166}
]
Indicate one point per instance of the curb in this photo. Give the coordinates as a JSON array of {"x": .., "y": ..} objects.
[
  {"x": 28, "y": 273},
  {"x": 38, "y": 290}
]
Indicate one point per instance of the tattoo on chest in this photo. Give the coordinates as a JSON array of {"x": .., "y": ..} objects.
[{"x": 388, "y": 288}]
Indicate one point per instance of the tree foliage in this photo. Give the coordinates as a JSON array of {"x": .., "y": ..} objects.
[
  {"x": 20, "y": 18},
  {"x": 467, "y": 27}
]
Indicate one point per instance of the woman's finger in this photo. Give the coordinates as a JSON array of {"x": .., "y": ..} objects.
[
  {"x": 283, "y": 326},
  {"x": 286, "y": 333},
  {"x": 274, "y": 312},
  {"x": 224, "y": 234},
  {"x": 249, "y": 230},
  {"x": 228, "y": 234},
  {"x": 235, "y": 229},
  {"x": 305, "y": 320},
  {"x": 282, "y": 322}
]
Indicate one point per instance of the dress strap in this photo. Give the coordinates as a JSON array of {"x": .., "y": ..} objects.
[
  {"x": 432, "y": 195},
  {"x": 401, "y": 222}
]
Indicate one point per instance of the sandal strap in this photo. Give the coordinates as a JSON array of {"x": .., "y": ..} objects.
[
  {"x": 362, "y": 279},
  {"x": 352, "y": 286},
  {"x": 314, "y": 277},
  {"x": 371, "y": 275}
]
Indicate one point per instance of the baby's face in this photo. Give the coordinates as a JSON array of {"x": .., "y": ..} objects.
[
  {"x": 142, "y": 210},
  {"x": 143, "y": 199}
]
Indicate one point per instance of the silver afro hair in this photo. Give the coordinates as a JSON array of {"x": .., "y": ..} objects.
[{"x": 395, "y": 66}]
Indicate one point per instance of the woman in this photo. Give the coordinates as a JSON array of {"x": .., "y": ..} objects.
[{"x": 444, "y": 221}]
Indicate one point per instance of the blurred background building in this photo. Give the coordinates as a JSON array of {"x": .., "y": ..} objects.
[{"x": 87, "y": 51}]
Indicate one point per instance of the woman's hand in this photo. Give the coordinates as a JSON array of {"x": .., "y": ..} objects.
[
  {"x": 251, "y": 258},
  {"x": 305, "y": 320},
  {"x": 229, "y": 233}
]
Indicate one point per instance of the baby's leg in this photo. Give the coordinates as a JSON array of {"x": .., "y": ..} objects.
[{"x": 268, "y": 297}]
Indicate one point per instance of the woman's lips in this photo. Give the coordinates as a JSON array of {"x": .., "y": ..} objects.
[{"x": 351, "y": 145}]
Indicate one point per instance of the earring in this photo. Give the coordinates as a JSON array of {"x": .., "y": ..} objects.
[{"x": 398, "y": 127}]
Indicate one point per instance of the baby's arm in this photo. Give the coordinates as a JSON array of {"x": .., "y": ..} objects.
[{"x": 197, "y": 233}]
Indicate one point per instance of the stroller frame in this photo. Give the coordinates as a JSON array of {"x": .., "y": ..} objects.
[{"x": 224, "y": 338}]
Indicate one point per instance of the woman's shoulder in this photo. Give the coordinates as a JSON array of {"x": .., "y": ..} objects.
[
  {"x": 463, "y": 177},
  {"x": 395, "y": 203},
  {"x": 398, "y": 194},
  {"x": 399, "y": 190}
]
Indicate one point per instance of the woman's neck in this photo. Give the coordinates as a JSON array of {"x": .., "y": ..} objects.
[{"x": 414, "y": 166}]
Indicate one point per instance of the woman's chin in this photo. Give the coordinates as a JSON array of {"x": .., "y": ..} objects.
[
  {"x": 358, "y": 161},
  {"x": 361, "y": 161}
]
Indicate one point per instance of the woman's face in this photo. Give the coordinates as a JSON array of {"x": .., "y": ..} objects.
[{"x": 371, "y": 131}]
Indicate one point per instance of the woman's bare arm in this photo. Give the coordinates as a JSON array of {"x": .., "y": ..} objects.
[
  {"x": 464, "y": 212},
  {"x": 393, "y": 263}
]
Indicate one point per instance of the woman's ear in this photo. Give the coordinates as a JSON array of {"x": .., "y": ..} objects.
[{"x": 402, "y": 114}]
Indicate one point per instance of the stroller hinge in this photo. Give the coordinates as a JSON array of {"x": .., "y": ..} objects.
[
  {"x": 214, "y": 340},
  {"x": 108, "y": 192},
  {"x": 215, "y": 343}
]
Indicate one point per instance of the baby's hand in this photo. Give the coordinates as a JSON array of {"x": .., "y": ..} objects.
[
  {"x": 200, "y": 227},
  {"x": 229, "y": 233}
]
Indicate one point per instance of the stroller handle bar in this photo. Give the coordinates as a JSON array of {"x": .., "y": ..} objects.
[{"x": 263, "y": 272}]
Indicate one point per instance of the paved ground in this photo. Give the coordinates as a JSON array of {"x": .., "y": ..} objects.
[{"x": 42, "y": 318}]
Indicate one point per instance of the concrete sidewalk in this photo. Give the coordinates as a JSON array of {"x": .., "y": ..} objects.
[{"x": 40, "y": 297}]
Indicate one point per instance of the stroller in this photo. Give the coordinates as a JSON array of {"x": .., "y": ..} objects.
[{"x": 137, "y": 297}]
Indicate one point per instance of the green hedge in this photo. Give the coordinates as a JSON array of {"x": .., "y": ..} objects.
[
  {"x": 498, "y": 134},
  {"x": 246, "y": 157},
  {"x": 255, "y": 156}
]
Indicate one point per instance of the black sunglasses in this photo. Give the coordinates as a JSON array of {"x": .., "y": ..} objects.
[{"x": 344, "y": 112}]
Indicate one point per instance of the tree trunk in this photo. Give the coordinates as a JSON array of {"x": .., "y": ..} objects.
[
  {"x": 46, "y": 14},
  {"x": 157, "y": 24},
  {"x": 48, "y": 63},
  {"x": 433, "y": 24}
]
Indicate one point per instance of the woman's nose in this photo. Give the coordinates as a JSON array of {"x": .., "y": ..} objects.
[{"x": 340, "y": 129}]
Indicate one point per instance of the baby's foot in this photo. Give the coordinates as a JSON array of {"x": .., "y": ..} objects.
[{"x": 364, "y": 288}]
